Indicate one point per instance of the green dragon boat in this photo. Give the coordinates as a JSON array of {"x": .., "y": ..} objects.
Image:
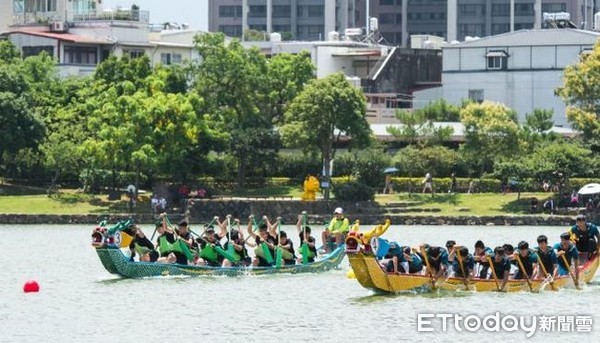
[{"x": 107, "y": 244}]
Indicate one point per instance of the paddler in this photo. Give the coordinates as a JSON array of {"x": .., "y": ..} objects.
[
  {"x": 528, "y": 260},
  {"x": 500, "y": 268},
  {"x": 185, "y": 236},
  {"x": 207, "y": 244},
  {"x": 480, "y": 253},
  {"x": 463, "y": 263},
  {"x": 567, "y": 252},
  {"x": 142, "y": 246},
  {"x": 236, "y": 238},
  {"x": 265, "y": 243},
  {"x": 547, "y": 257},
  {"x": 306, "y": 238},
  {"x": 437, "y": 258},
  {"x": 288, "y": 255},
  {"x": 166, "y": 239}
]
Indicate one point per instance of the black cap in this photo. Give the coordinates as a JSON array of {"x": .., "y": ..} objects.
[
  {"x": 434, "y": 251},
  {"x": 523, "y": 245},
  {"x": 565, "y": 235},
  {"x": 210, "y": 229},
  {"x": 183, "y": 223}
]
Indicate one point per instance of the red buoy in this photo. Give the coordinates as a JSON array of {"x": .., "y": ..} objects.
[{"x": 31, "y": 286}]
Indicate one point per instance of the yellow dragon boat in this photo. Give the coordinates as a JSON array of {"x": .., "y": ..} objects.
[{"x": 371, "y": 275}]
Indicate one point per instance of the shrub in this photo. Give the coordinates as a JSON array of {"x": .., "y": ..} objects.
[{"x": 353, "y": 191}]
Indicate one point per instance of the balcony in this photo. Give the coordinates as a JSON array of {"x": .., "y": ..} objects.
[{"x": 112, "y": 15}]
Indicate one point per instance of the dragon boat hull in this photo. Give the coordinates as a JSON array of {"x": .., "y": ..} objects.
[
  {"x": 372, "y": 276},
  {"x": 116, "y": 262}
]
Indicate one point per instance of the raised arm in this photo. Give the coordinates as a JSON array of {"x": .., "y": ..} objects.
[{"x": 249, "y": 227}]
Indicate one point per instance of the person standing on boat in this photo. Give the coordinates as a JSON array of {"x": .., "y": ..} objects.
[
  {"x": 338, "y": 227},
  {"x": 501, "y": 268},
  {"x": 142, "y": 246},
  {"x": 481, "y": 251},
  {"x": 306, "y": 238},
  {"x": 463, "y": 266},
  {"x": 586, "y": 236},
  {"x": 528, "y": 259},
  {"x": 547, "y": 257},
  {"x": 571, "y": 256}
]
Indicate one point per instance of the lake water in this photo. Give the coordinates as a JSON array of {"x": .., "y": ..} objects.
[{"x": 80, "y": 301}]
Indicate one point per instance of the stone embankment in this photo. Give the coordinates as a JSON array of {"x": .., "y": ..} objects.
[{"x": 368, "y": 213}]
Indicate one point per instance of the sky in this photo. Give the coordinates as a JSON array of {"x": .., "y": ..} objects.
[{"x": 193, "y": 12}]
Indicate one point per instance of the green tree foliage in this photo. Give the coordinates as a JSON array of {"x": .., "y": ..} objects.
[
  {"x": 581, "y": 93},
  {"x": 417, "y": 128},
  {"x": 255, "y": 36},
  {"x": 325, "y": 111},
  {"x": 491, "y": 133},
  {"x": 247, "y": 94},
  {"x": 440, "y": 110},
  {"x": 20, "y": 125}
]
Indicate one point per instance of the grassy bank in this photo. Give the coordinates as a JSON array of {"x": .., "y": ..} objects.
[{"x": 29, "y": 200}]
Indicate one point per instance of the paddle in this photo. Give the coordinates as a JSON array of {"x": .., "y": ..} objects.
[
  {"x": 426, "y": 258},
  {"x": 180, "y": 245},
  {"x": 546, "y": 274},
  {"x": 462, "y": 268},
  {"x": 522, "y": 268},
  {"x": 570, "y": 271},
  {"x": 279, "y": 252},
  {"x": 489, "y": 259}
]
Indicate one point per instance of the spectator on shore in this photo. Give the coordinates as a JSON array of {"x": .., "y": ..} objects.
[
  {"x": 453, "y": 183},
  {"x": 471, "y": 187},
  {"x": 549, "y": 206},
  {"x": 546, "y": 186},
  {"x": 534, "y": 205},
  {"x": 574, "y": 199},
  {"x": 389, "y": 186},
  {"x": 428, "y": 184}
]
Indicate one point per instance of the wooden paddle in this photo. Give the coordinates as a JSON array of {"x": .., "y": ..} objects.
[
  {"x": 462, "y": 268},
  {"x": 489, "y": 259},
  {"x": 548, "y": 276},
  {"x": 522, "y": 268},
  {"x": 426, "y": 258},
  {"x": 570, "y": 271},
  {"x": 279, "y": 252}
]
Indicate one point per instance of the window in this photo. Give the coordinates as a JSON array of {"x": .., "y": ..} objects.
[
  {"x": 386, "y": 2},
  {"x": 46, "y": 6},
  {"x": 312, "y": 29},
  {"x": 36, "y": 50},
  {"x": 315, "y": 11},
  {"x": 476, "y": 95},
  {"x": 500, "y": 28},
  {"x": 282, "y": 11},
  {"x": 300, "y": 11},
  {"x": 282, "y": 28},
  {"x": 134, "y": 53},
  {"x": 554, "y": 8},
  {"x": 169, "y": 58},
  {"x": 501, "y": 10},
  {"x": 230, "y": 11},
  {"x": 387, "y": 18},
  {"x": 81, "y": 55},
  {"x": 231, "y": 30},
  {"x": 257, "y": 12},
  {"x": 524, "y": 10},
  {"x": 496, "y": 60}
]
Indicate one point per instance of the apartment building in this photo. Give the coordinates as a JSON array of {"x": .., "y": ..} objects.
[{"x": 301, "y": 19}]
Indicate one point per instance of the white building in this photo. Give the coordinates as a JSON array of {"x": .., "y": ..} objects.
[{"x": 520, "y": 69}]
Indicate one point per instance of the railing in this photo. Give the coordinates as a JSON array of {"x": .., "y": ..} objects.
[{"x": 118, "y": 15}]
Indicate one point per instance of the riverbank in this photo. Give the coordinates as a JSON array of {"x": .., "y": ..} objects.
[{"x": 369, "y": 213}]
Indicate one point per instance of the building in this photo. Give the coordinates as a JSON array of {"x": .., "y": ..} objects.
[
  {"x": 308, "y": 20},
  {"x": 520, "y": 69},
  {"x": 80, "y": 34},
  {"x": 457, "y": 19}
]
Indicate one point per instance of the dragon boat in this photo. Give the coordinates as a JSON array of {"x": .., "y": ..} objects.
[
  {"x": 108, "y": 244},
  {"x": 371, "y": 275}
]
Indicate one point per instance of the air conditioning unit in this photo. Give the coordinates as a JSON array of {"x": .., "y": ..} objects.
[{"x": 59, "y": 26}]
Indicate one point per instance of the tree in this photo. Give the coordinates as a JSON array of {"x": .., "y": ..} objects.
[
  {"x": 417, "y": 128},
  {"x": 324, "y": 112},
  {"x": 581, "y": 93},
  {"x": 491, "y": 133},
  {"x": 247, "y": 94}
]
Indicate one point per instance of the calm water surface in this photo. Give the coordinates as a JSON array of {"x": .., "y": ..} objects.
[{"x": 80, "y": 302}]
